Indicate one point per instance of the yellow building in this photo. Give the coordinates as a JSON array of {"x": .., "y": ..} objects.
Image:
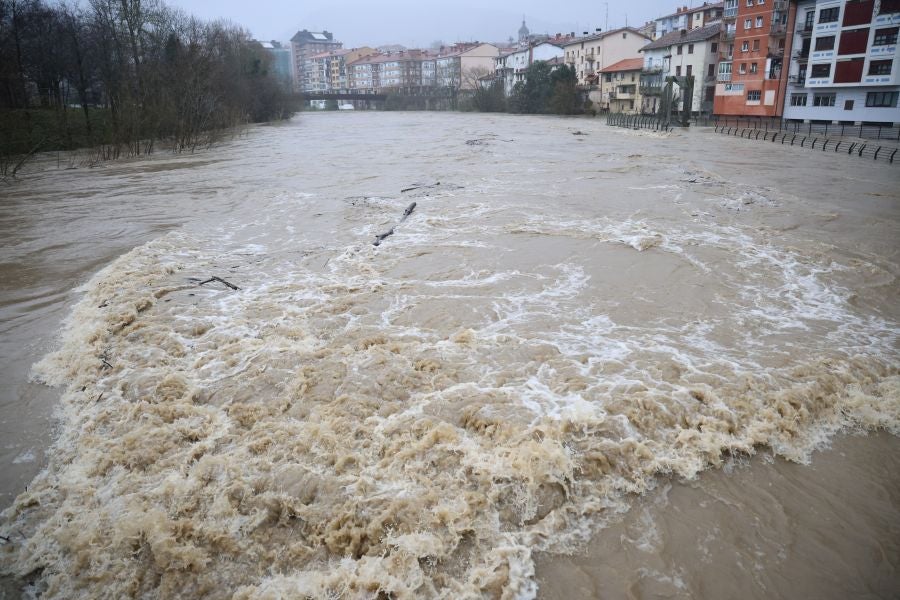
[{"x": 620, "y": 89}]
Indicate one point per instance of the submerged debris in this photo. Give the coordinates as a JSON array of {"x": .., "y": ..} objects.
[
  {"x": 220, "y": 280},
  {"x": 381, "y": 236}
]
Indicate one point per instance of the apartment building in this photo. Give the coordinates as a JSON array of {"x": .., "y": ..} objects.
[
  {"x": 304, "y": 45},
  {"x": 406, "y": 70},
  {"x": 328, "y": 71},
  {"x": 281, "y": 61},
  {"x": 620, "y": 86},
  {"x": 461, "y": 65},
  {"x": 844, "y": 62},
  {"x": 689, "y": 18},
  {"x": 593, "y": 53},
  {"x": 683, "y": 53},
  {"x": 752, "y": 75},
  {"x": 510, "y": 65}
]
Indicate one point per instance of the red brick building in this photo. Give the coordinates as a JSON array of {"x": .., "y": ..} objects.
[{"x": 753, "y": 67}]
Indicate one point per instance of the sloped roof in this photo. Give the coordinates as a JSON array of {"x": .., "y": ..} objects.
[
  {"x": 626, "y": 64},
  {"x": 693, "y": 35}
]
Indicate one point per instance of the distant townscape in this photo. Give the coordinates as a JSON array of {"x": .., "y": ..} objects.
[{"x": 817, "y": 61}]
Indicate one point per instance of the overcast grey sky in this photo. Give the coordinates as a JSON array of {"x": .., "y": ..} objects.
[{"x": 417, "y": 23}]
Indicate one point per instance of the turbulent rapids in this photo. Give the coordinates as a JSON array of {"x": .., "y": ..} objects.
[{"x": 557, "y": 327}]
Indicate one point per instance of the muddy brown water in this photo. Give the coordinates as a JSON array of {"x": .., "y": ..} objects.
[{"x": 549, "y": 381}]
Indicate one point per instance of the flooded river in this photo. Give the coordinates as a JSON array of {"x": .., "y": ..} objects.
[{"x": 591, "y": 362}]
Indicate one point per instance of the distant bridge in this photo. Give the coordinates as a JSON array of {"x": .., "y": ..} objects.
[
  {"x": 343, "y": 96},
  {"x": 436, "y": 93}
]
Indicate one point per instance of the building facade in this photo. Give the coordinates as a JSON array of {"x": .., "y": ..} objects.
[
  {"x": 591, "y": 54},
  {"x": 844, "y": 62},
  {"x": 510, "y": 66},
  {"x": 304, "y": 45},
  {"x": 281, "y": 61},
  {"x": 752, "y": 75},
  {"x": 620, "y": 86},
  {"x": 460, "y": 66},
  {"x": 682, "y": 53},
  {"x": 689, "y": 18}
]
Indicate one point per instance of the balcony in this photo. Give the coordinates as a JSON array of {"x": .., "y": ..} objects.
[
  {"x": 778, "y": 29},
  {"x": 728, "y": 34},
  {"x": 780, "y": 5},
  {"x": 801, "y": 56},
  {"x": 652, "y": 69},
  {"x": 805, "y": 29},
  {"x": 621, "y": 95},
  {"x": 730, "y": 13},
  {"x": 709, "y": 79},
  {"x": 724, "y": 77},
  {"x": 798, "y": 80}
]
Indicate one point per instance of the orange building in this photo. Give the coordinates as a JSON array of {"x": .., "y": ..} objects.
[{"x": 752, "y": 74}]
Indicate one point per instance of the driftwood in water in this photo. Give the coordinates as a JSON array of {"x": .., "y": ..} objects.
[
  {"x": 380, "y": 237},
  {"x": 220, "y": 280},
  {"x": 419, "y": 186}
]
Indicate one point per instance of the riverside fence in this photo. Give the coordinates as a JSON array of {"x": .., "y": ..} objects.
[
  {"x": 869, "y": 132},
  {"x": 638, "y": 122},
  {"x": 864, "y": 148}
]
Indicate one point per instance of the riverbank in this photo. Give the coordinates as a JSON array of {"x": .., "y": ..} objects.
[{"x": 529, "y": 312}]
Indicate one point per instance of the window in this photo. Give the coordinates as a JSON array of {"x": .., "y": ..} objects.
[
  {"x": 810, "y": 20},
  {"x": 753, "y": 95},
  {"x": 823, "y": 99},
  {"x": 714, "y": 47},
  {"x": 880, "y": 67},
  {"x": 745, "y": 45},
  {"x": 885, "y": 37},
  {"x": 848, "y": 104},
  {"x": 759, "y": 21},
  {"x": 710, "y": 70},
  {"x": 747, "y": 22},
  {"x": 753, "y": 68},
  {"x": 678, "y": 71},
  {"x": 820, "y": 71},
  {"x": 690, "y": 48},
  {"x": 689, "y": 71},
  {"x": 798, "y": 99},
  {"x": 829, "y": 15},
  {"x": 749, "y": 2},
  {"x": 881, "y": 99},
  {"x": 756, "y": 45},
  {"x": 680, "y": 49},
  {"x": 825, "y": 43},
  {"x": 742, "y": 69},
  {"x": 760, "y": 1}
]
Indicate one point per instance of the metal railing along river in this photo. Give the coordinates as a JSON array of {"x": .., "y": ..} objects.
[
  {"x": 638, "y": 121},
  {"x": 859, "y": 147}
]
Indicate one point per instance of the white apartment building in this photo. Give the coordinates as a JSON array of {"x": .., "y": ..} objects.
[
  {"x": 844, "y": 62},
  {"x": 510, "y": 67},
  {"x": 682, "y": 53},
  {"x": 588, "y": 55}
]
